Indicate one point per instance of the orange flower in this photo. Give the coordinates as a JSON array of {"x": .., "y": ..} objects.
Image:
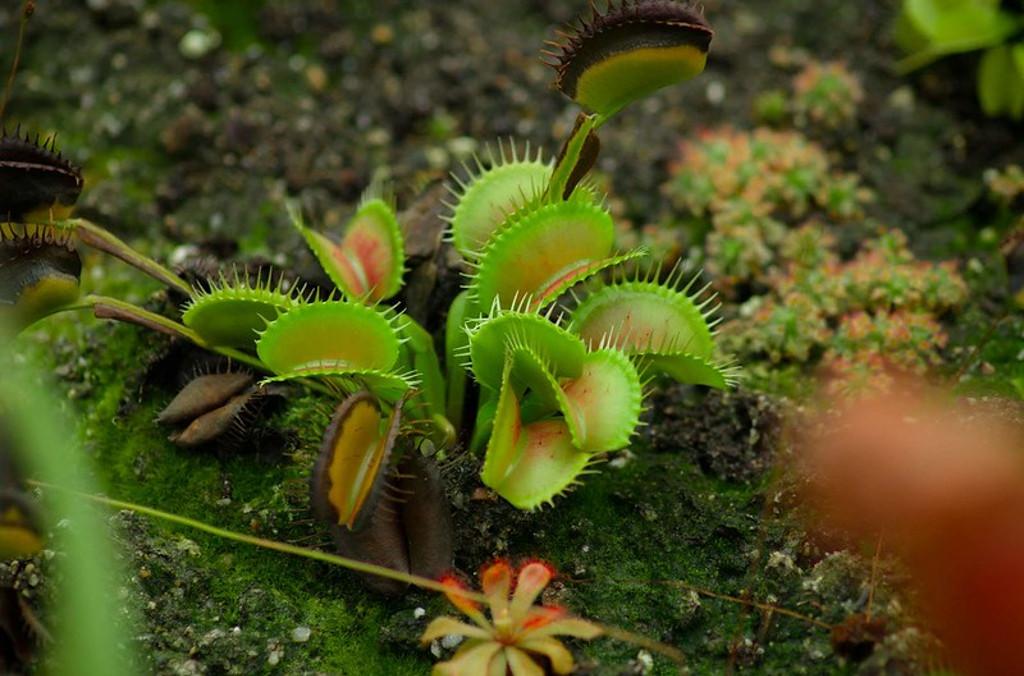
[{"x": 518, "y": 636}]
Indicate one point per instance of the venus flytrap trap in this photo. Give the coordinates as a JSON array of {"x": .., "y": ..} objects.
[{"x": 39, "y": 266}]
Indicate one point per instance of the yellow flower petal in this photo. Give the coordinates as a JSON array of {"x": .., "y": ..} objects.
[
  {"x": 521, "y": 663},
  {"x": 496, "y": 580},
  {"x": 472, "y": 660},
  {"x": 569, "y": 627},
  {"x": 444, "y": 626},
  {"x": 499, "y": 665},
  {"x": 532, "y": 579},
  {"x": 561, "y": 658}
]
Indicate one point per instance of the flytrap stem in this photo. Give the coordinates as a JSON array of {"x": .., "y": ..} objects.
[
  {"x": 104, "y": 307},
  {"x": 663, "y": 649},
  {"x": 568, "y": 167},
  {"x": 283, "y": 547},
  {"x": 420, "y": 345},
  {"x": 101, "y": 239},
  {"x": 456, "y": 340},
  {"x": 27, "y": 9}
]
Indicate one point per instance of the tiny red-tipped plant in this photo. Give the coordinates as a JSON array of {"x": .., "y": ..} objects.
[{"x": 515, "y": 636}]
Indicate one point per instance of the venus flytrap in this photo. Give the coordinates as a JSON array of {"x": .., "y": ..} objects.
[{"x": 561, "y": 369}]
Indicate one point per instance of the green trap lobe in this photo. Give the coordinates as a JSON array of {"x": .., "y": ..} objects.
[
  {"x": 340, "y": 332},
  {"x": 644, "y": 318},
  {"x": 488, "y": 200},
  {"x": 602, "y": 407},
  {"x": 560, "y": 350},
  {"x": 544, "y": 252}
]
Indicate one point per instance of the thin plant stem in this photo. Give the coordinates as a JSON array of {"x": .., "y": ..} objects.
[
  {"x": 284, "y": 548},
  {"x": 874, "y": 577},
  {"x": 105, "y": 307},
  {"x": 101, "y": 239},
  {"x": 748, "y": 602},
  {"x": 27, "y": 10},
  {"x": 616, "y": 633}
]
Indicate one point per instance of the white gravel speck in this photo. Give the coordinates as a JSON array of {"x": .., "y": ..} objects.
[{"x": 451, "y": 640}]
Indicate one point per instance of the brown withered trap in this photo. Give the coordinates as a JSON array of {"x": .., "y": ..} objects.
[
  {"x": 630, "y": 50},
  {"x": 37, "y": 183},
  {"x": 393, "y": 514},
  {"x": 215, "y": 407}
]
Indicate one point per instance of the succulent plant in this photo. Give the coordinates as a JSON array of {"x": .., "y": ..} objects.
[
  {"x": 858, "y": 319},
  {"x": 746, "y": 187},
  {"x": 826, "y": 95},
  {"x": 1006, "y": 185}
]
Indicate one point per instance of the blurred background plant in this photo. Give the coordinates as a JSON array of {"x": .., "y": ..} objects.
[
  {"x": 823, "y": 94},
  {"x": 938, "y": 483},
  {"x": 746, "y": 188},
  {"x": 928, "y": 30},
  {"x": 83, "y": 612},
  {"x": 851, "y": 318}
]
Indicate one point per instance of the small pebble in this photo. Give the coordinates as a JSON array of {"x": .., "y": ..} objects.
[
  {"x": 715, "y": 93},
  {"x": 197, "y": 43},
  {"x": 451, "y": 640},
  {"x": 382, "y": 34},
  {"x": 301, "y": 634}
]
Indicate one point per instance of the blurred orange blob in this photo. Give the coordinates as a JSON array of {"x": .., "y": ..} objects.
[{"x": 944, "y": 487}]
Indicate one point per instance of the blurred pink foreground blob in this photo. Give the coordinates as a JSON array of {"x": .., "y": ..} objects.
[{"x": 946, "y": 491}]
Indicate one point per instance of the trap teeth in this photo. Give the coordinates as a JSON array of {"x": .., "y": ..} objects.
[
  {"x": 631, "y": 51},
  {"x": 37, "y": 184},
  {"x": 39, "y": 272}
]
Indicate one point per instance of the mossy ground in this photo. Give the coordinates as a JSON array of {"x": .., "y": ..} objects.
[{"x": 198, "y": 154}]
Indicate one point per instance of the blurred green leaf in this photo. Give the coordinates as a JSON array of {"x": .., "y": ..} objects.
[
  {"x": 930, "y": 29},
  {"x": 1001, "y": 82},
  {"x": 1018, "y": 59},
  {"x": 1016, "y": 83},
  {"x": 995, "y": 70},
  {"x": 90, "y": 616}
]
